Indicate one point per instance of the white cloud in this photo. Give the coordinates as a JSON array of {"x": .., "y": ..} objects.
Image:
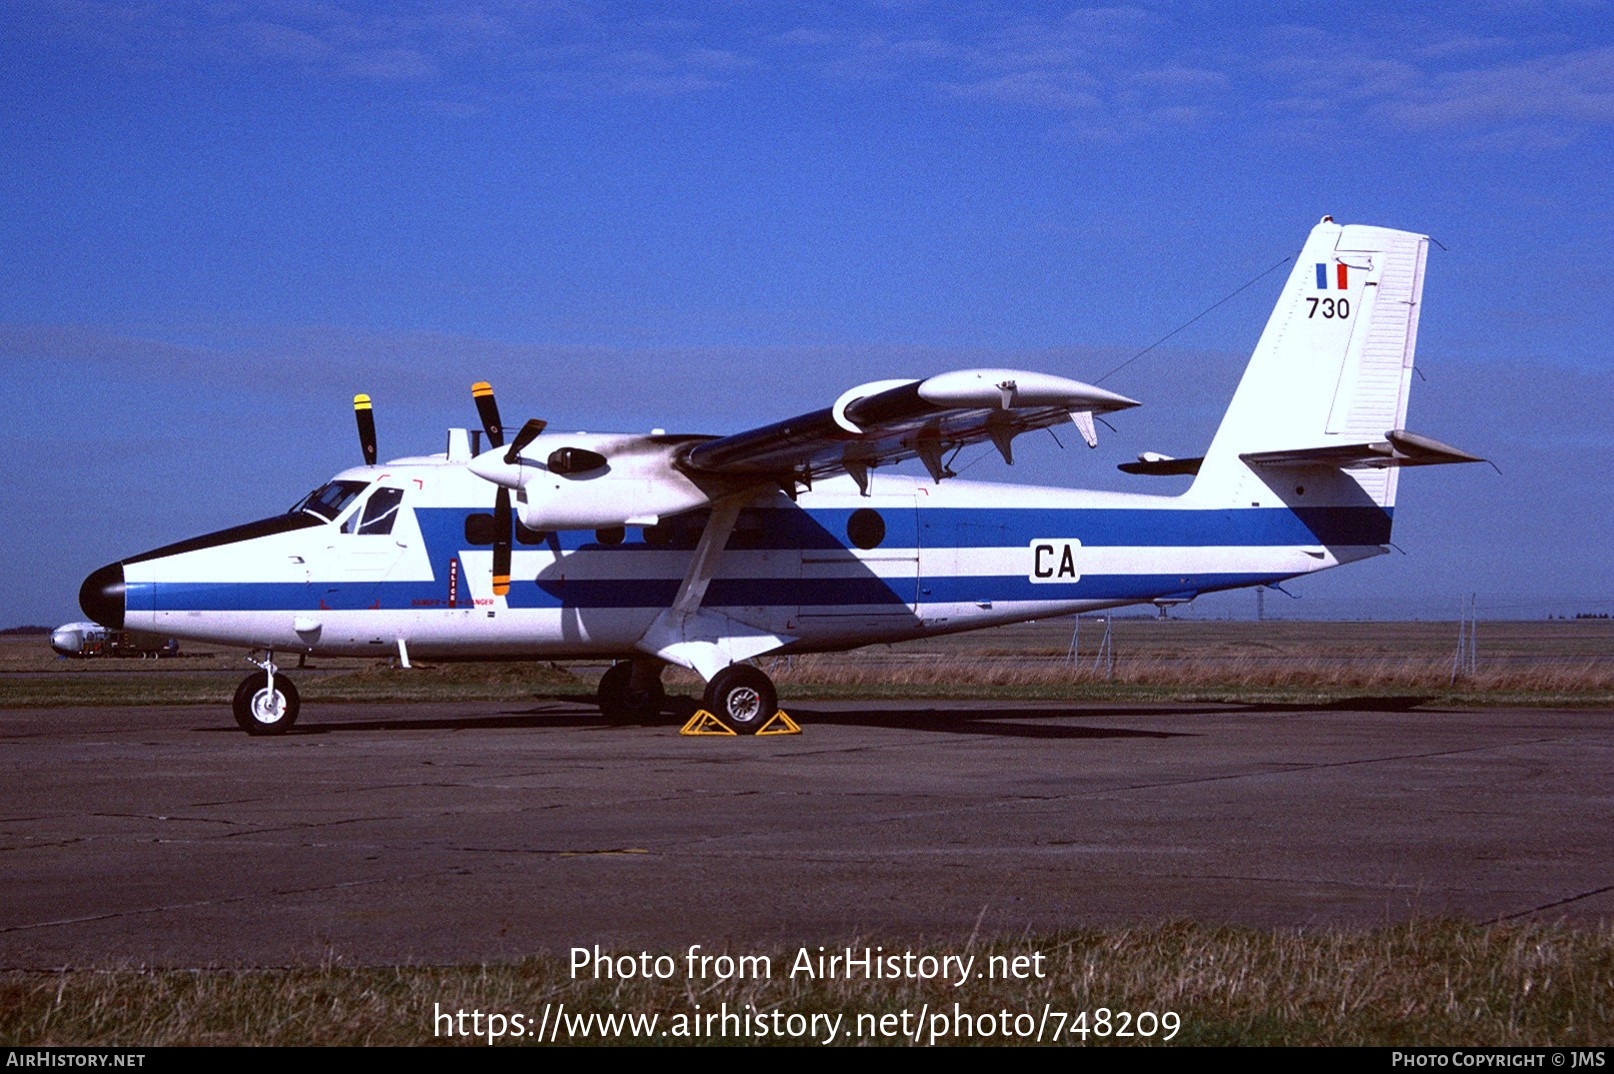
[
  {"x": 1576, "y": 88},
  {"x": 581, "y": 48},
  {"x": 1542, "y": 102},
  {"x": 1067, "y": 89},
  {"x": 1501, "y": 78}
]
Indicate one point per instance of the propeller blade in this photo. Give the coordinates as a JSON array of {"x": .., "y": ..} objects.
[
  {"x": 366, "y": 420},
  {"x": 529, "y": 432},
  {"x": 488, "y": 408},
  {"x": 501, "y": 543}
]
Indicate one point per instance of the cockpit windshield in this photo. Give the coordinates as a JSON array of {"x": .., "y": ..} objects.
[{"x": 330, "y": 500}]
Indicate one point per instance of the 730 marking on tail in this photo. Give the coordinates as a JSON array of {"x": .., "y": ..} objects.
[{"x": 1329, "y": 307}]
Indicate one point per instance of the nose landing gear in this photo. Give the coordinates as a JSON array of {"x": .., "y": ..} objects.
[{"x": 266, "y": 703}]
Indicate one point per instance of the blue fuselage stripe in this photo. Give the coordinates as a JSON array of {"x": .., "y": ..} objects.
[
  {"x": 931, "y": 530},
  {"x": 868, "y": 592},
  {"x": 781, "y": 529}
]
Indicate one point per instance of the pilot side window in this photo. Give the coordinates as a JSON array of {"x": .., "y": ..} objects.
[{"x": 378, "y": 514}]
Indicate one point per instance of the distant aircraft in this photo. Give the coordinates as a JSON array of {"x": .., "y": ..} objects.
[
  {"x": 707, "y": 551},
  {"x": 79, "y": 639},
  {"x": 93, "y": 639}
]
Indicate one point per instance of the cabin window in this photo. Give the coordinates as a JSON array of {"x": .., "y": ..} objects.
[
  {"x": 679, "y": 531},
  {"x": 866, "y": 528},
  {"x": 480, "y": 529}
]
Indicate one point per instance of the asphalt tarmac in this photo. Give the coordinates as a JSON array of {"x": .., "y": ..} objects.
[{"x": 463, "y": 832}]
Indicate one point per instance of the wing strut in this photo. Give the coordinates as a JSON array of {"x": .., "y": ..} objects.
[
  {"x": 699, "y": 638},
  {"x": 703, "y": 564}
]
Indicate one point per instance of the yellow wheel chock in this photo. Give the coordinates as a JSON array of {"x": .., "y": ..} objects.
[
  {"x": 704, "y": 723},
  {"x": 780, "y": 724}
]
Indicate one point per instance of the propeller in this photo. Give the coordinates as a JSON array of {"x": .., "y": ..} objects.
[
  {"x": 526, "y": 435},
  {"x": 366, "y": 419},
  {"x": 487, "y": 407}
]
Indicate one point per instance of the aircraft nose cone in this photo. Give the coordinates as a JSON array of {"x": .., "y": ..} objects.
[{"x": 101, "y": 596}]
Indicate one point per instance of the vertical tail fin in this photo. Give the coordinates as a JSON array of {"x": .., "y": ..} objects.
[{"x": 1332, "y": 371}]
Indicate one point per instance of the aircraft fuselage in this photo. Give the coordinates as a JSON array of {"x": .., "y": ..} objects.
[{"x": 832, "y": 570}]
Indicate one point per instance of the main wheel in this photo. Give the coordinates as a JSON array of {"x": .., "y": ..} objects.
[
  {"x": 742, "y": 697},
  {"x": 262, "y": 712},
  {"x": 619, "y": 700}
]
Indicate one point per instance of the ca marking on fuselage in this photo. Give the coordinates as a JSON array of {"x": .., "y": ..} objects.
[
  {"x": 707, "y": 552},
  {"x": 1054, "y": 561}
]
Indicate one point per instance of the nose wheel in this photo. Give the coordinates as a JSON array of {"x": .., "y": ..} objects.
[{"x": 265, "y": 704}]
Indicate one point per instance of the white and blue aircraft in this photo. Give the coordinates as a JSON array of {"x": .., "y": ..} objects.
[
  {"x": 79, "y": 639},
  {"x": 707, "y": 552},
  {"x": 82, "y": 640}
]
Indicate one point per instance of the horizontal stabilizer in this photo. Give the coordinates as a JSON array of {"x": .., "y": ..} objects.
[
  {"x": 1399, "y": 448},
  {"x": 1156, "y": 465}
]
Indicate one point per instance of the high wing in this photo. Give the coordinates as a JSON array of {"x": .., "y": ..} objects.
[
  {"x": 888, "y": 421},
  {"x": 581, "y": 481}
]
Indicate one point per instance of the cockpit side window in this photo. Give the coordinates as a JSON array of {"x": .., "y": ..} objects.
[
  {"x": 379, "y": 512},
  {"x": 329, "y": 500}
]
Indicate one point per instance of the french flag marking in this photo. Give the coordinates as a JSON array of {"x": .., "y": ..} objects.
[{"x": 1340, "y": 274}]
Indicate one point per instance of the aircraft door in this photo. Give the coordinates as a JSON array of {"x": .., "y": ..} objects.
[
  {"x": 369, "y": 545},
  {"x": 946, "y": 537},
  {"x": 865, "y": 577}
]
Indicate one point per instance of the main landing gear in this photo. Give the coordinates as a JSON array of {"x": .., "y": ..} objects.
[
  {"x": 632, "y": 690},
  {"x": 266, "y": 703},
  {"x": 741, "y": 696}
]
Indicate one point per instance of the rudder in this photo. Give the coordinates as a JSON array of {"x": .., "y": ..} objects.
[{"x": 1332, "y": 369}]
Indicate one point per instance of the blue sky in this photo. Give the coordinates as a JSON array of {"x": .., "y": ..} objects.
[{"x": 221, "y": 220}]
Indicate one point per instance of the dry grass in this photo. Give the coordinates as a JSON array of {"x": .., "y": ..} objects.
[
  {"x": 1423, "y": 983},
  {"x": 1560, "y": 662},
  {"x": 1543, "y": 662},
  {"x": 1237, "y": 673}
]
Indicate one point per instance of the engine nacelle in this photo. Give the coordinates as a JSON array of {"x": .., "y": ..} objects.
[
  {"x": 578, "y": 481},
  {"x": 548, "y": 501}
]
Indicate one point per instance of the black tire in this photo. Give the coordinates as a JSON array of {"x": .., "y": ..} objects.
[
  {"x": 620, "y": 701},
  {"x": 253, "y": 711},
  {"x": 742, "y": 697}
]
